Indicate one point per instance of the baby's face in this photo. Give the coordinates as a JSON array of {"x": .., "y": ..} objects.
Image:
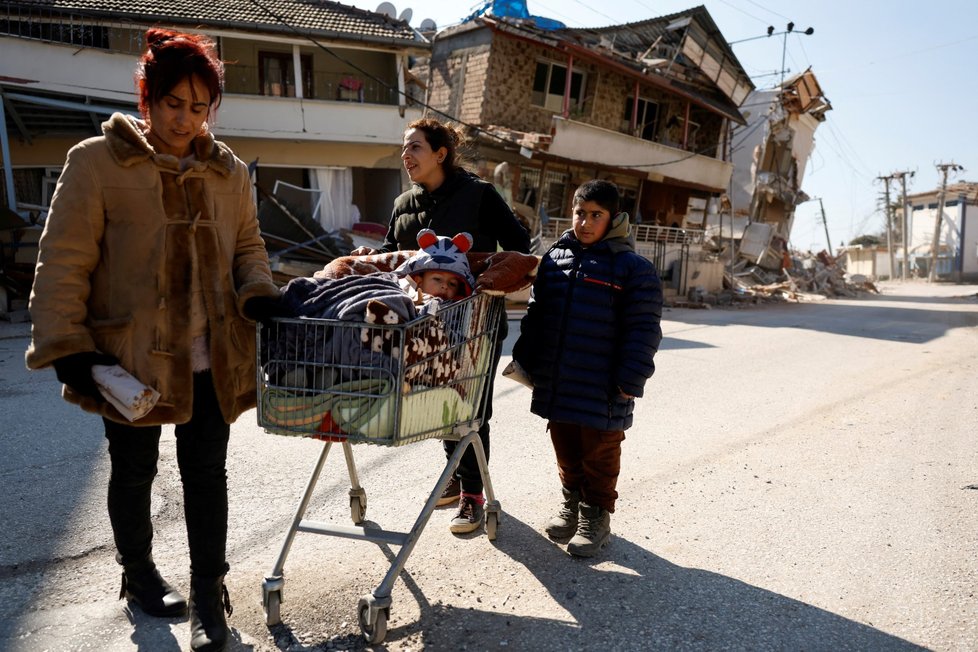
[{"x": 443, "y": 285}]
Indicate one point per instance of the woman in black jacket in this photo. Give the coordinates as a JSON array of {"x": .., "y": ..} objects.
[{"x": 448, "y": 199}]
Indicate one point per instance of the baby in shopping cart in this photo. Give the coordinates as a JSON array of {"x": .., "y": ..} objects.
[{"x": 440, "y": 269}]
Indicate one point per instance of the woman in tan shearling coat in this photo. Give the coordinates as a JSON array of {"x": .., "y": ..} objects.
[{"x": 152, "y": 257}]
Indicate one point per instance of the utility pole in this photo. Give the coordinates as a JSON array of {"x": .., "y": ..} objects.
[
  {"x": 889, "y": 223},
  {"x": 826, "y": 225},
  {"x": 905, "y": 224},
  {"x": 939, "y": 218}
]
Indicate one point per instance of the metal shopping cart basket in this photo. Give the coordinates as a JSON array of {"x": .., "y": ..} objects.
[{"x": 383, "y": 383}]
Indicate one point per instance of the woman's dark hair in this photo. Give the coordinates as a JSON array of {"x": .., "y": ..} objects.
[
  {"x": 441, "y": 135},
  {"x": 170, "y": 58},
  {"x": 603, "y": 193}
]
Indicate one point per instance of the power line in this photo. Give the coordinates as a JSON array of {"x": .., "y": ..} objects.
[
  {"x": 590, "y": 8},
  {"x": 643, "y": 5},
  {"x": 554, "y": 12},
  {"x": 839, "y": 138},
  {"x": 760, "y": 6},
  {"x": 736, "y": 8}
]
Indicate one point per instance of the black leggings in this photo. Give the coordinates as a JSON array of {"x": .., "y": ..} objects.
[
  {"x": 202, "y": 445},
  {"x": 468, "y": 467}
]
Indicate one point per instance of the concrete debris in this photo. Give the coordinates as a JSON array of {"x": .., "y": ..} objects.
[{"x": 810, "y": 277}]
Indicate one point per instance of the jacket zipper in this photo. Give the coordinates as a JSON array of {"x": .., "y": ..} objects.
[{"x": 563, "y": 326}]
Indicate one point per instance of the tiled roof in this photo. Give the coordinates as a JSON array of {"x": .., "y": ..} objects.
[{"x": 307, "y": 17}]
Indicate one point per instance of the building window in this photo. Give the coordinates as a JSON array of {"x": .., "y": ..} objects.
[
  {"x": 277, "y": 76},
  {"x": 548, "y": 86},
  {"x": 551, "y": 187},
  {"x": 648, "y": 117}
]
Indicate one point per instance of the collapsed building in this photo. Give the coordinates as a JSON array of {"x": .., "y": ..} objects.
[{"x": 769, "y": 156}]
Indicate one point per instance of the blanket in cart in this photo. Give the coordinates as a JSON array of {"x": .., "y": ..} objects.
[
  {"x": 377, "y": 302},
  {"x": 369, "y": 408}
]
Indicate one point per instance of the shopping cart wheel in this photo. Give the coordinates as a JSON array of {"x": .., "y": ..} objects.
[
  {"x": 273, "y": 609},
  {"x": 358, "y": 505},
  {"x": 376, "y": 631},
  {"x": 492, "y": 522},
  {"x": 271, "y": 600}
]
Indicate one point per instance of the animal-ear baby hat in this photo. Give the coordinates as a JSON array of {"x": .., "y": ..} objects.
[{"x": 444, "y": 254}]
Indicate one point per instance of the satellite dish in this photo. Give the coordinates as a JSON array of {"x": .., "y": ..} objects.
[
  {"x": 387, "y": 9},
  {"x": 428, "y": 25},
  {"x": 406, "y": 15}
]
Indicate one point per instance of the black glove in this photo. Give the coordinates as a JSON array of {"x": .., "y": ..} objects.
[
  {"x": 263, "y": 309},
  {"x": 75, "y": 371}
]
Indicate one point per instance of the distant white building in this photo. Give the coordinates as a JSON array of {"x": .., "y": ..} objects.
[{"x": 957, "y": 248}]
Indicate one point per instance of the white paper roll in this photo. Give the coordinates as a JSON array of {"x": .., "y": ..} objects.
[{"x": 124, "y": 391}]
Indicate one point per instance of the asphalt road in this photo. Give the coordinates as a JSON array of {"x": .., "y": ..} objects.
[{"x": 799, "y": 477}]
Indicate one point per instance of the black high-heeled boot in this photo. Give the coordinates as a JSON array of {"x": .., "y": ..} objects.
[
  {"x": 142, "y": 584},
  {"x": 209, "y": 601}
]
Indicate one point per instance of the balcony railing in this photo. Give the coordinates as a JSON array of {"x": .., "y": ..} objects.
[
  {"x": 42, "y": 22},
  {"x": 343, "y": 87},
  {"x": 644, "y": 233}
]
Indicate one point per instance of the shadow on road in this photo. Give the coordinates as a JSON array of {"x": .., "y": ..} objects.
[
  {"x": 632, "y": 599},
  {"x": 626, "y": 599}
]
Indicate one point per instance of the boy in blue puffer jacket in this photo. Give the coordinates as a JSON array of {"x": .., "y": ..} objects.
[{"x": 587, "y": 342}]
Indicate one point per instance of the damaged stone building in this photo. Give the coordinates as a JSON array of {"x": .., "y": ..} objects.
[{"x": 647, "y": 105}]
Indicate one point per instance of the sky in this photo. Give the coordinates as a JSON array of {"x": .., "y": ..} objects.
[{"x": 902, "y": 79}]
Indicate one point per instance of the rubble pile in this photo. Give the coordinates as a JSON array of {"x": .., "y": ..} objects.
[
  {"x": 811, "y": 277},
  {"x": 297, "y": 244}
]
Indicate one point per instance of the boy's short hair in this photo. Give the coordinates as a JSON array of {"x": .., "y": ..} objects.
[{"x": 603, "y": 193}]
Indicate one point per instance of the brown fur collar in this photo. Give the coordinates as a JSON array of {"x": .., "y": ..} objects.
[{"x": 127, "y": 142}]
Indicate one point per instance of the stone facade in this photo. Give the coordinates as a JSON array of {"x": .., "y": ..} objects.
[{"x": 487, "y": 79}]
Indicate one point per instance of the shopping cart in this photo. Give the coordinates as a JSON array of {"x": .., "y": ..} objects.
[{"x": 383, "y": 383}]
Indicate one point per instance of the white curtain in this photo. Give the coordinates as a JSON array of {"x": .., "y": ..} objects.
[{"x": 335, "y": 209}]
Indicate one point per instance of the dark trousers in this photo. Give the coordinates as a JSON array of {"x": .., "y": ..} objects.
[
  {"x": 588, "y": 461},
  {"x": 468, "y": 467},
  {"x": 202, "y": 445}
]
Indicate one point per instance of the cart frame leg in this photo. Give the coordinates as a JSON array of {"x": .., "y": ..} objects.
[
  {"x": 382, "y": 593},
  {"x": 275, "y": 582}
]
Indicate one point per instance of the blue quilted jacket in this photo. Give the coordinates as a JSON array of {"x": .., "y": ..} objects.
[{"x": 591, "y": 328}]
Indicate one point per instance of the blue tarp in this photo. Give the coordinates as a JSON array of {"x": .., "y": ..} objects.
[{"x": 514, "y": 9}]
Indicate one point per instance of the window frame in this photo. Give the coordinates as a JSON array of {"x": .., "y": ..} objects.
[
  {"x": 640, "y": 125},
  {"x": 305, "y": 60},
  {"x": 574, "y": 103}
]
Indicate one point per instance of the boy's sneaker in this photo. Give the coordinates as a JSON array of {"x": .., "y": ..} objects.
[
  {"x": 469, "y": 516},
  {"x": 593, "y": 531},
  {"x": 451, "y": 493},
  {"x": 564, "y": 524}
]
